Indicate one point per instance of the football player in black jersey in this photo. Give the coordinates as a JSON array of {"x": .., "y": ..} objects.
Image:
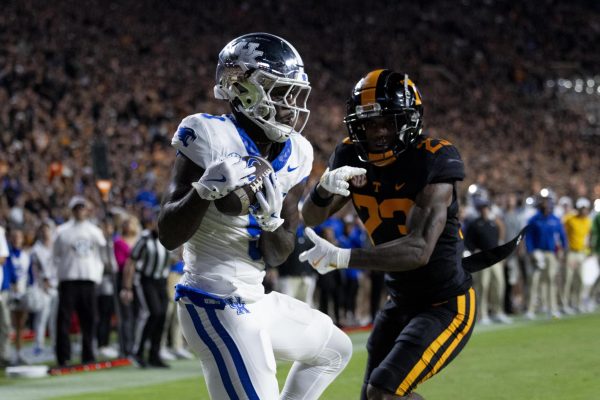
[{"x": 403, "y": 187}]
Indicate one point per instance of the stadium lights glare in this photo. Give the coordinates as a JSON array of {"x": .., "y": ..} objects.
[
  {"x": 472, "y": 188},
  {"x": 544, "y": 192}
]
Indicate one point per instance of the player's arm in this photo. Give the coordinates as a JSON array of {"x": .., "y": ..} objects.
[
  {"x": 425, "y": 224},
  {"x": 182, "y": 208},
  {"x": 314, "y": 214},
  {"x": 329, "y": 195},
  {"x": 276, "y": 246}
]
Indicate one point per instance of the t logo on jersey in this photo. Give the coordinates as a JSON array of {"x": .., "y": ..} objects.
[
  {"x": 184, "y": 134},
  {"x": 237, "y": 304}
]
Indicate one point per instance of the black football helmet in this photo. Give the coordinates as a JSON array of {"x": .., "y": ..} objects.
[
  {"x": 388, "y": 95},
  {"x": 261, "y": 74}
]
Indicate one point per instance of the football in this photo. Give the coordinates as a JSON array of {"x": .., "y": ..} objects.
[{"x": 237, "y": 203}]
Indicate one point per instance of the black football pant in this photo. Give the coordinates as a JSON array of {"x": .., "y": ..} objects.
[
  {"x": 407, "y": 347},
  {"x": 78, "y": 296},
  {"x": 152, "y": 298}
]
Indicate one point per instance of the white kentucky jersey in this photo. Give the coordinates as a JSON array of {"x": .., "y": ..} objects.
[{"x": 223, "y": 257}]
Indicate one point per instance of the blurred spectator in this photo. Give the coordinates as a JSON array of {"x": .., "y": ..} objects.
[
  {"x": 482, "y": 234},
  {"x": 105, "y": 295},
  {"x": 577, "y": 229},
  {"x": 45, "y": 276},
  {"x": 296, "y": 278},
  {"x": 546, "y": 242},
  {"x": 4, "y": 312},
  {"x": 18, "y": 269},
  {"x": 330, "y": 285},
  {"x": 353, "y": 237},
  {"x": 123, "y": 243},
  {"x": 79, "y": 256},
  {"x": 514, "y": 220},
  {"x": 146, "y": 273},
  {"x": 172, "y": 333},
  {"x": 595, "y": 247}
]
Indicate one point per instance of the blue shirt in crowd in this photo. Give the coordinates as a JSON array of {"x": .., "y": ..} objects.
[{"x": 545, "y": 232}]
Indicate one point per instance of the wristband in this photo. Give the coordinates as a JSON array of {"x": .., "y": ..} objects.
[{"x": 318, "y": 200}]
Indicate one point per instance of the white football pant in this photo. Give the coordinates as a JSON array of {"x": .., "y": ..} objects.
[{"x": 238, "y": 344}]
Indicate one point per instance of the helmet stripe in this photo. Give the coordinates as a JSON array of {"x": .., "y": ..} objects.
[{"x": 367, "y": 94}]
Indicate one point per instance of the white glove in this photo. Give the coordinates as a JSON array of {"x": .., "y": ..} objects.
[
  {"x": 268, "y": 214},
  {"x": 324, "y": 257},
  {"x": 222, "y": 177},
  {"x": 336, "y": 181}
]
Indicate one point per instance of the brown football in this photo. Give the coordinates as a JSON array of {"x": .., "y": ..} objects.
[{"x": 238, "y": 202}]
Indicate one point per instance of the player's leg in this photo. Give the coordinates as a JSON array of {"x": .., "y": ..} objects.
[
  {"x": 430, "y": 341},
  {"x": 387, "y": 326},
  {"x": 232, "y": 345},
  {"x": 319, "y": 349}
]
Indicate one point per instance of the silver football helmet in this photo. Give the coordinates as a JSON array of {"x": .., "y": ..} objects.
[{"x": 262, "y": 76}]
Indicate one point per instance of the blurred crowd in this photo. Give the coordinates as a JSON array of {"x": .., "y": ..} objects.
[{"x": 124, "y": 73}]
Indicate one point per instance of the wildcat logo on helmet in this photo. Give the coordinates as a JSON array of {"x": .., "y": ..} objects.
[{"x": 246, "y": 52}]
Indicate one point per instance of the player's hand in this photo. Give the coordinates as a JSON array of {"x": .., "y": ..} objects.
[
  {"x": 222, "y": 177},
  {"x": 336, "y": 181},
  {"x": 324, "y": 257},
  {"x": 268, "y": 212}
]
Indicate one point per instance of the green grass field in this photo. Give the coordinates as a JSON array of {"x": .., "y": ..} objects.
[{"x": 545, "y": 360}]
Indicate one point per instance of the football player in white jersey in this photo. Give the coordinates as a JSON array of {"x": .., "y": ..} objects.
[{"x": 236, "y": 329}]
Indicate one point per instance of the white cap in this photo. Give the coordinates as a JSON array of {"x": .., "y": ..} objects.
[
  {"x": 582, "y": 202},
  {"x": 76, "y": 201}
]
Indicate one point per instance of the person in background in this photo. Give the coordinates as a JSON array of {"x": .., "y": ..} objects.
[
  {"x": 577, "y": 227},
  {"x": 353, "y": 237},
  {"x": 105, "y": 292},
  {"x": 146, "y": 273},
  {"x": 595, "y": 248},
  {"x": 45, "y": 275},
  {"x": 172, "y": 331},
  {"x": 331, "y": 284},
  {"x": 123, "y": 242},
  {"x": 19, "y": 272},
  {"x": 482, "y": 234},
  {"x": 296, "y": 278},
  {"x": 79, "y": 256},
  {"x": 545, "y": 241},
  {"x": 513, "y": 220},
  {"x": 5, "y": 326}
]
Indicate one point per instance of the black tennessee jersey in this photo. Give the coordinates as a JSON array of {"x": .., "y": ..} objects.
[{"x": 384, "y": 202}]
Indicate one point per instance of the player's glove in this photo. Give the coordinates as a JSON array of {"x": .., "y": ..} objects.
[
  {"x": 268, "y": 211},
  {"x": 222, "y": 177},
  {"x": 324, "y": 257},
  {"x": 336, "y": 181}
]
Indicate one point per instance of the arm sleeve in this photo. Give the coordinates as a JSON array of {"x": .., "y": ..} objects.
[
  {"x": 447, "y": 165},
  {"x": 192, "y": 140}
]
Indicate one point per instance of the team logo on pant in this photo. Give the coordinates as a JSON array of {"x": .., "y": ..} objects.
[{"x": 237, "y": 304}]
